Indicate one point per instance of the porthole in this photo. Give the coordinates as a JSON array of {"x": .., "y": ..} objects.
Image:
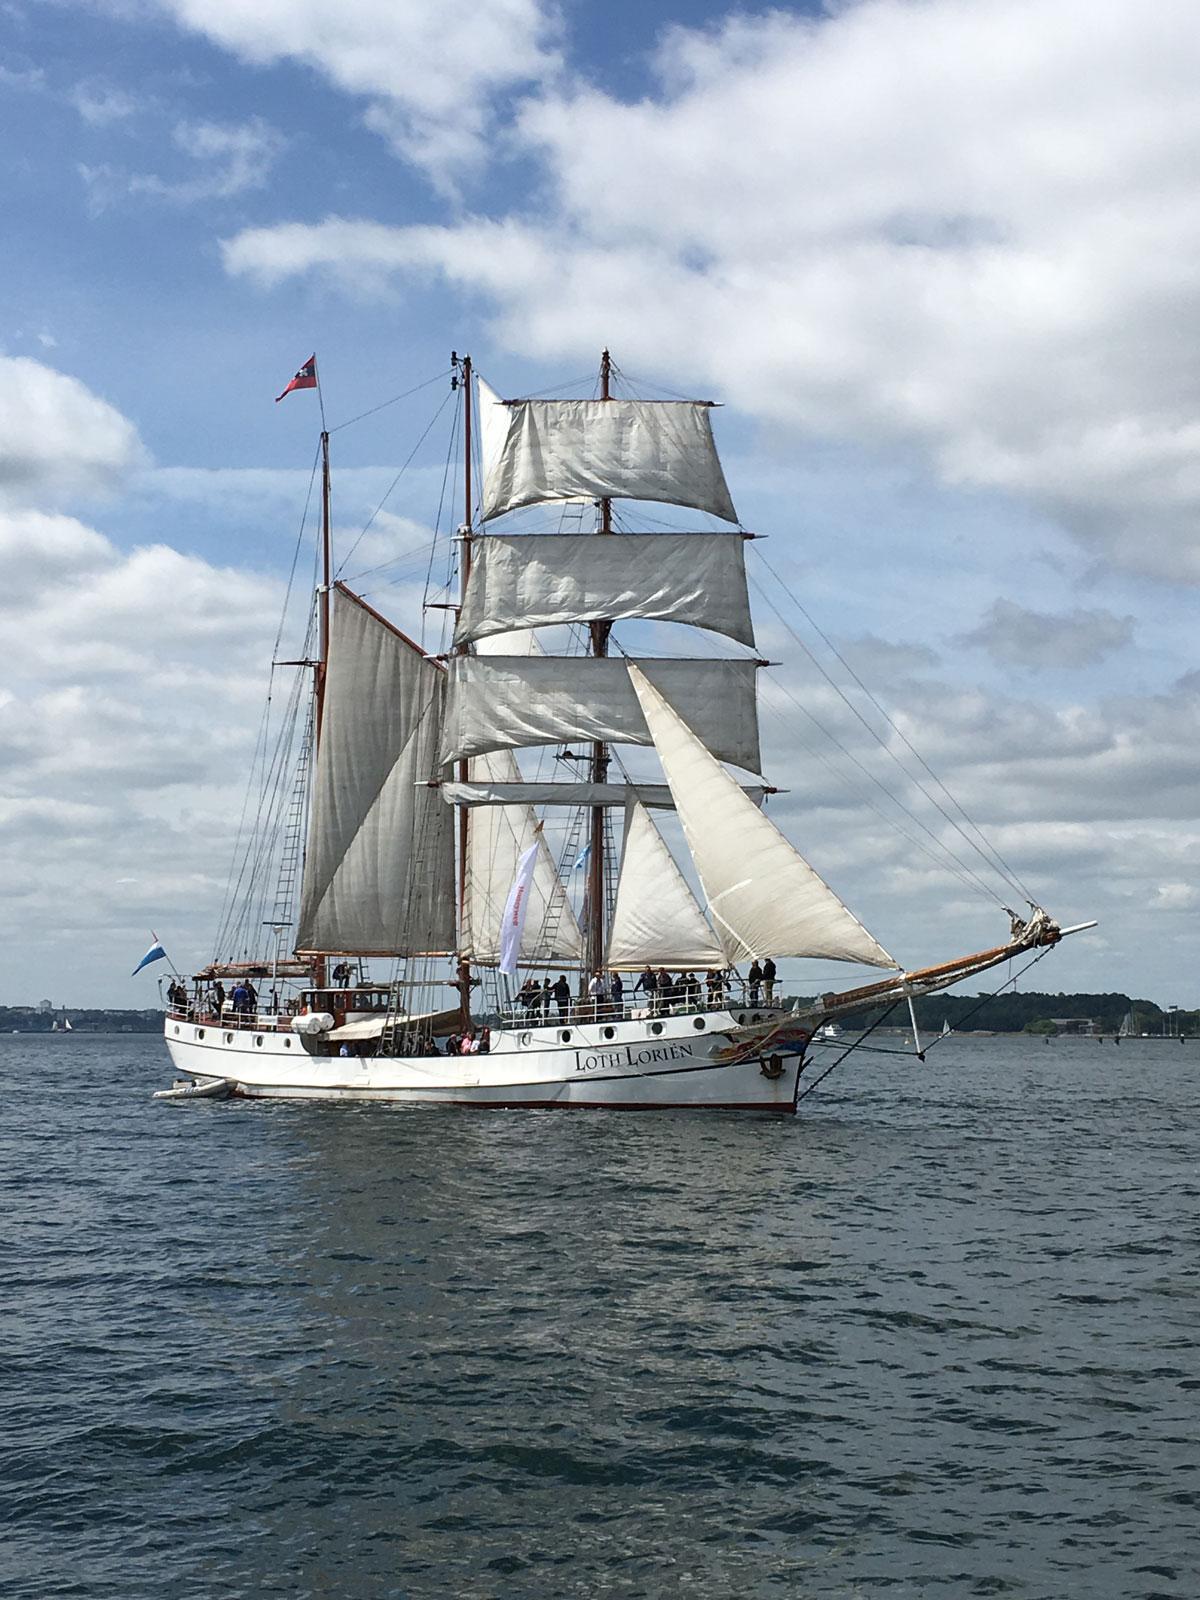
[
  {"x": 698, "y": 1022},
  {"x": 757, "y": 1017},
  {"x": 525, "y": 1038},
  {"x": 741, "y": 1019},
  {"x": 176, "y": 1027},
  {"x": 610, "y": 1033},
  {"x": 565, "y": 1035},
  {"x": 199, "y": 1033},
  {"x": 656, "y": 1027},
  {"x": 228, "y": 1038},
  {"x": 287, "y": 1044},
  {"x": 258, "y": 1038}
]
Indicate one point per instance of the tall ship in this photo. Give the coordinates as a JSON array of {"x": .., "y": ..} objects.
[{"x": 417, "y": 920}]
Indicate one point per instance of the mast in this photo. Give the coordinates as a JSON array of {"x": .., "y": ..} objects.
[
  {"x": 322, "y": 660},
  {"x": 599, "y": 633},
  {"x": 464, "y": 966},
  {"x": 322, "y": 666}
]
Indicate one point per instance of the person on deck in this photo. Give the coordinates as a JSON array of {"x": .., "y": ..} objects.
[
  {"x": 715, "y": 981},
  {"x": 251, "y": 998},
  {"x": 341, "y": 975},
  {"x": 562, "y": 994},
  {"x": 240, "y": 999},
  {"x": 666, "y": 990},
  {"x": 219, "y": 997},
  {"x": 530, "y": 996},
  {"x": 754, "y": 981},
  {"x": 547, "y": 995},
  {"x": 484, "y": 1043},
  {"x": 768, "y": 972},
  {"x": 597, "y": 993},
  {"x": 616, "y": 990},
  {"x": 648, "y": 985}
]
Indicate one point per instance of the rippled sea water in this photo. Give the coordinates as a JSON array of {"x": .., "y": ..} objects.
[{"x": 937, "y": 1335}]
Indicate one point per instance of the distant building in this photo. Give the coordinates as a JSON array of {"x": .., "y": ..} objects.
[
  {"x": 45, "y": 1005},
  {"x": 1081, "y": 1025}
]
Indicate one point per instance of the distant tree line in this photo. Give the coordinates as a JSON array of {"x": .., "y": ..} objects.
[
  {"x": 26, "y": 1019},
  {"x": 1031, "y": 1011}
]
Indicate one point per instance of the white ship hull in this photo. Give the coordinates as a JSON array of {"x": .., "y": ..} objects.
[{"x": 708, "y": 1060}]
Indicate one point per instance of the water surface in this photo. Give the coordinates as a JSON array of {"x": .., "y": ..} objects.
[{"x": 937, "y": 1335}]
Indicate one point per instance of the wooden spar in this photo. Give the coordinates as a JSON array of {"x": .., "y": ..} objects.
[
  {"x": 927, "y": 980},
  {"x": 464, "y": 966},
  {"x": 598, "y": 634}
]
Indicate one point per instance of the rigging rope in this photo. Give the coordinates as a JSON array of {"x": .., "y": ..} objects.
[
  {"x": 391, "y": 486},
  {"x": 981, "y": 845},
  {"x": 393, "y": 401},
  {"x": 983, "y": 1001}
]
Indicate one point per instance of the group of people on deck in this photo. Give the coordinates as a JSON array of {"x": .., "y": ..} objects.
[
  {"x": 660, "y": 991},
  {"x": 470, "y": 1044}
]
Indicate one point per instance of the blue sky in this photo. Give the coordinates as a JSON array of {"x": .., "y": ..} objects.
[{"x": 936, "y": 257}]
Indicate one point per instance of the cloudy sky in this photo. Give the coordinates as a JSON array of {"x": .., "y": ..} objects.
[{"x": 936, "y": 256}]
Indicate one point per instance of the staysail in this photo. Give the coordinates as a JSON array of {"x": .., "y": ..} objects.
[
  {"x": 497, "y": 838},
  {"x": 536, "y": 451},
  {"x": 656, "y": 919},
  {"x": 379, "y": 867},
  {"x": 763, "y": 897},
  {"x": 536, "y": 580}
]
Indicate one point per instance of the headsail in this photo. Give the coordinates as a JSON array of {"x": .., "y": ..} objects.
[
  {"x": 762, "y": 895},
  {"x": 656, "y": 918},
  {"x": 545, "y": 450},
  {"x": 535, "y": 580},
  {"x": 379, "y": 868},
  {"x": 501, "y": 702}
]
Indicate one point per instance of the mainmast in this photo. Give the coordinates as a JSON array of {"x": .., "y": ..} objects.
[
  {"x": 465, "y": 533},
  {"x": 599, "y": 634}
]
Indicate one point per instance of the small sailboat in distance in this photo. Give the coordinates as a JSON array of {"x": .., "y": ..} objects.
[
  {"x": 410, "y": 836},
  {"x": 947, "y": 1030}
]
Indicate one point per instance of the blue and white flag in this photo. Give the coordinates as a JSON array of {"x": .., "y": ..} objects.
[
  {"x": 155, "y": 953},
  {"x": 581, "y": 860},
  {"x": 512, "y": 926}
]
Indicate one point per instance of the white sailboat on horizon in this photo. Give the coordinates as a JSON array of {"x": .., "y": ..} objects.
[{"x": 418, "y": 815}]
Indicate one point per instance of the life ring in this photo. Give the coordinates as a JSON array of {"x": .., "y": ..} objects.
[{"x": 771, "y": 1066}]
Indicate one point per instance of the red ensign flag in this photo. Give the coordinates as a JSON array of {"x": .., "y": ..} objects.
[{"x": 306, "y": 378}]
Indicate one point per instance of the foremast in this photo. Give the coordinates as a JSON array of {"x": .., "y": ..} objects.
[{"x": 466, "y": 535}]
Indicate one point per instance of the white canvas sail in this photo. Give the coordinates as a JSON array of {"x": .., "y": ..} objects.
[
  {"x": 763, "y": 897},
  {"x": 497, "y": 839},
  {"x": 656, "y": 920},
  {"x": 536, "y": 580},
  {"x": 504, "y": 702},
  {"x": 545, "y": 450},
  {"x": 379, "y": 867}
]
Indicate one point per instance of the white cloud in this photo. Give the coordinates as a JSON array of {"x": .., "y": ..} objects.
[
  {"x": 428, "y": 71},
  {"x": 230, "y": 159},
  {"x": 58, "y": 440},
  {"x": 101, "y": 104},
  {"x": 964, "y": 227}
]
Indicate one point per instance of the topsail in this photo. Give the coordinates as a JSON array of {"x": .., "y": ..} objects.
[{"x": 536, "y": 451}]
